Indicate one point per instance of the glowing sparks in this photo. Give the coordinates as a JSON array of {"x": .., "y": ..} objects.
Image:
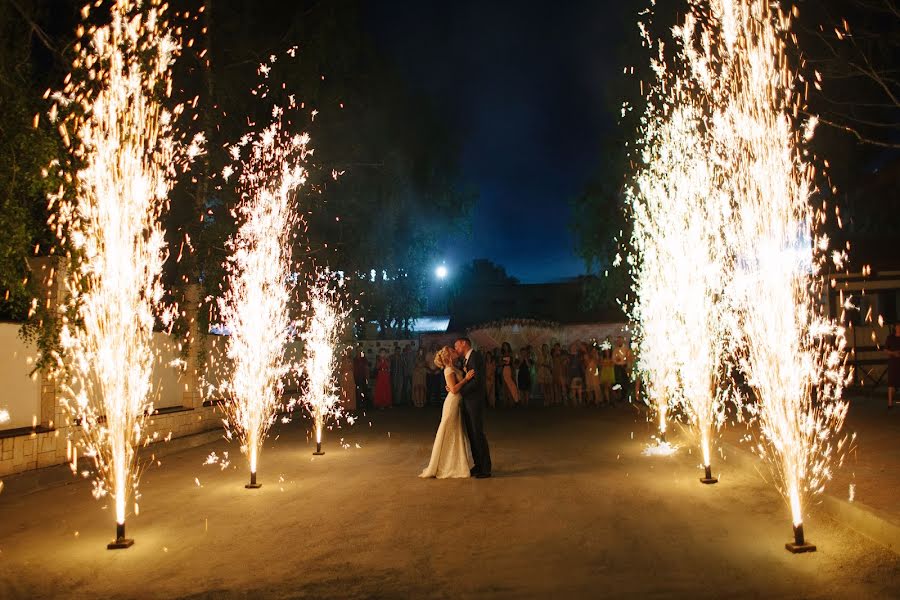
[
  {"x": 680, "y": 260},
  {"x": 325, "y": 322},
  {"x": 660, "y": 448},
  {"x": 124, "y": 154},
  {"x": 729, "y": 251},
  {"x": 792, "y": 355},
  {"x": 254, "y": 306}
]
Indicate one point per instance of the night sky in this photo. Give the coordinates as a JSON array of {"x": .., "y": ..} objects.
[{"x": 527, "y": 83}]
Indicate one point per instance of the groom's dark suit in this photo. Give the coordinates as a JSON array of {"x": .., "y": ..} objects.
[{"x": 473, "y": 399}]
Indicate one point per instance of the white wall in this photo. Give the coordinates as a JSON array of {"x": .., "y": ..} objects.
[
  {"x": 168, "y": 384},
  {"x": 216, "y": 366},
  {"x": 20, "y": 393}
]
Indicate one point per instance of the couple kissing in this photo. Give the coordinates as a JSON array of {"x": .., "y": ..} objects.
[{"x": 460, "y": 446}]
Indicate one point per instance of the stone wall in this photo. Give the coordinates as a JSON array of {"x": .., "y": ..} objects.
[
  {"x": 40, "y": 448},
  {"x": 36, "y": 435}
]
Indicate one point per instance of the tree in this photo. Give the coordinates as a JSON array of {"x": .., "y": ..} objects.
[
  {"x": 26, "y": 150},
  {"x": 855, "y": 46},
  {"x": 387, "y": 185},
  {"x": 601, "y": 229}
]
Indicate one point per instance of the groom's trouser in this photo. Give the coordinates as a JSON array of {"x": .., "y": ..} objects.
[{"x": 473, "y": 417}]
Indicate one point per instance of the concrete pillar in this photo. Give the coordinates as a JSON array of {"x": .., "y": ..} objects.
[
  {"x": 191, "y": 379},
  {"x": 48, "y": 277}
]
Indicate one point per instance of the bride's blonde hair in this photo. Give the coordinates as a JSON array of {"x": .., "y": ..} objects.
[{"x": 443, "y": 358}]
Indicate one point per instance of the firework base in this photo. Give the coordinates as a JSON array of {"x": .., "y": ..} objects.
[
  {"x": 120, "y": 544},
  {"x": 121, "y": 541},
  {"x": 253, "y": 485},
  {"x": 799, "y": 545},
  {"x": 799, "y": 548},
  {"x": 708, "y": 478},
  {"x": 319, "y": 453}
]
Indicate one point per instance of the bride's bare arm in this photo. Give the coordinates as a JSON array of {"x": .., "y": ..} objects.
[{"x": 453, "y": 386}]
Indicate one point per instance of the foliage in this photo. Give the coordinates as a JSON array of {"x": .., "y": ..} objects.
[
  {"x": 386, "y": 187},
  {"x": 855, "y": 47},
  {"x": 601, "y": 229},
  {"x": 25, "y": 150}
]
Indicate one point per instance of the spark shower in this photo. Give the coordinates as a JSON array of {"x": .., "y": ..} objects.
[
  {"x": 729, "y": 248},
  {"x": 124, "y": 153}
]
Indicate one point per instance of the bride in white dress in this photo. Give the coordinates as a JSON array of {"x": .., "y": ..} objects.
[{"x": 451, "y": 455}]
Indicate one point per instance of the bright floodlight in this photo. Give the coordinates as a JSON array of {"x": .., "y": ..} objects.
[{"x": 441, "y": 272}]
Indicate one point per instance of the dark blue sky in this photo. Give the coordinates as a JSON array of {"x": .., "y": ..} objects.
[{"x": 527, "y": 83}]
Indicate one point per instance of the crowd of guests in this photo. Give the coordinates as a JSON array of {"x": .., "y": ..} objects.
[{"x": 582, "y": 374}]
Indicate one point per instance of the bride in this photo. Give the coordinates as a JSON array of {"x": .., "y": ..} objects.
[{"x": 451, "y": 455}]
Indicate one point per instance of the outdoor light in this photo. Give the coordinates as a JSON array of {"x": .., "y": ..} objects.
[{"x": 441, "y": 272}]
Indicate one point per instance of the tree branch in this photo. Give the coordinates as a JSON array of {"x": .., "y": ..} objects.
[{"x": 35, "y": 28}]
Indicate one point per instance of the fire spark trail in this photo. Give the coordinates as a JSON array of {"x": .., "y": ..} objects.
[{"x": 124, "y": 154}]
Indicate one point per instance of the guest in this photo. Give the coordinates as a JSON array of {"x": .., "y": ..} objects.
[
  {"x": 533, "y": 367},
  {"x": 490, "y": 378},
  {"x": 576, "y": 377},
  {"x": 418, "y": 379},
  {"x": 607, "y": 372},
  {"x": 523, "y": 376},
  {"x": 361, "y": 377},
  {"x": 560, "y": 374},
  {"x": 348, "y": 381},
  {"x": 397, "y": 376},
  {"x": 892, "y": 346},
  {"x": 383, "y": 397},
  {"x": 407, "y": 364},
  {"x": 545, "y": 374},
  {"x": 592, "y": 376},
  {"x": 510, "y": 393},
  {"x": 622, "y": 361},
  {"x": 433, "y": 377}
]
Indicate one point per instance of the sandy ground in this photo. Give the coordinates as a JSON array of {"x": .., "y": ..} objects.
[
  {"x": 574, "y": 511},
  {"x": 871, "y": 467}
]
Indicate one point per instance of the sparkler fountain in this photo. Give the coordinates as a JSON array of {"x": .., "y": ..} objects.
[
  {"x": 733, "y": 65},
  {"x": 680, "y": 261},
  {"x": 260, "y": 274},
  {"x": 123, "y": 155},
  {"x": 792, "y": 354},
  {"x": 321, "y": 338}
]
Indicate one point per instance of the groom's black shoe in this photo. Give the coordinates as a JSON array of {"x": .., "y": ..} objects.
[
  {"x": 473, "y": 472},
  {"x": 482, "y": 475}
]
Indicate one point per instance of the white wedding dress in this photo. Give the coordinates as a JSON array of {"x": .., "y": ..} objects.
[{"x": 451, "y": 455}]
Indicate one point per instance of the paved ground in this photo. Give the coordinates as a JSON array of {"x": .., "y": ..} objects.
[
  {"x": 573, "y": 511},
  {"x": 872, "y": 466}
]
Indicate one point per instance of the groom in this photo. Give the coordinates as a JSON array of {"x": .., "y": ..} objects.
[{"x": 473, "y": 398}]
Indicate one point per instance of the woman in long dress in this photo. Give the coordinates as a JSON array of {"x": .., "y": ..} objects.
[
  {"x": 450, "y": 455},
  {"x": 607, "y": 372},
  {"x": 418, "y": 379},
  {"x": 560, "y": 367},
  {"x": 490, "y": 378},
  {"x": 510, "y": 389},
  {"x": 545, "y": 375},
  {"x": 383, "y": 397},
  {"x": 348, "y": 382},
  {"x": 592, "y": 376}
]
